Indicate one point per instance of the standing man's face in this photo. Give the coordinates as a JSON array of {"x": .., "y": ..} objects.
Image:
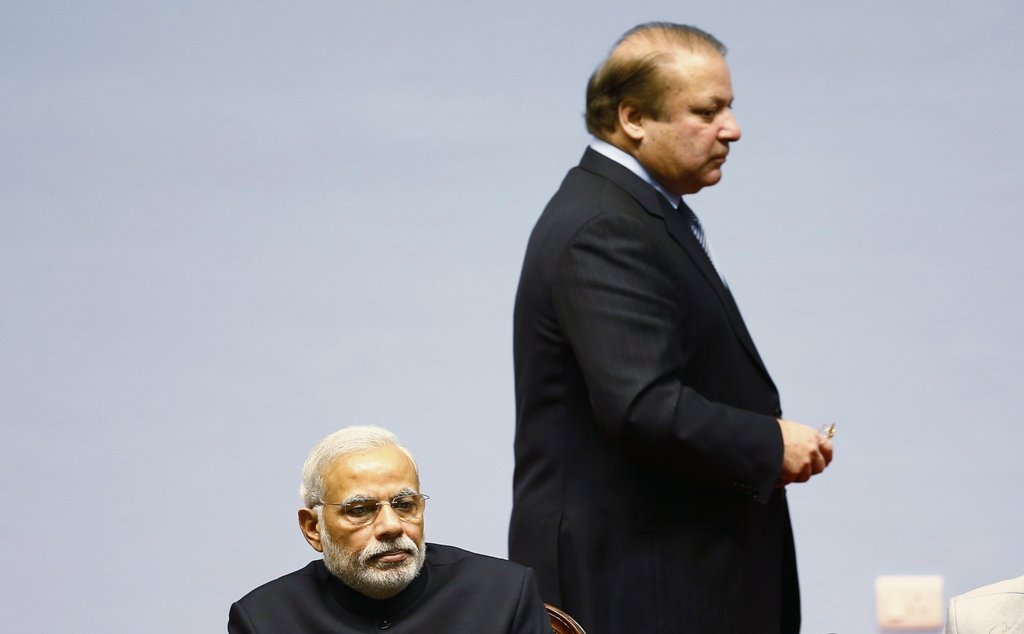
[
  {"x": 381, "y": 558},
  {"x": 685, "y": 151}
]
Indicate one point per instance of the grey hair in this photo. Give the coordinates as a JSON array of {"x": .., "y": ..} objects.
[
  {"x": 344, "y": 442},
  {"x": 633, "y": 71}
]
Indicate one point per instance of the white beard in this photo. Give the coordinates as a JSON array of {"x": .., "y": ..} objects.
[{"x": 374, "y": 579}]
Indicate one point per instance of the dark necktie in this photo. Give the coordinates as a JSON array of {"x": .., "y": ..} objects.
[{"x": 698, "y": 232}]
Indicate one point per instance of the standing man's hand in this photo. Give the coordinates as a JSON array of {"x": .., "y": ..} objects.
[{"x": 805, "y": 452}]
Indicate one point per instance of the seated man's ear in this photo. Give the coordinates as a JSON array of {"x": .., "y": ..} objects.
[{"x": 309, "y": 524}]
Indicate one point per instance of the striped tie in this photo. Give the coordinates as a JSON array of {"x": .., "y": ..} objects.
[{"x": 698, "y": 232}]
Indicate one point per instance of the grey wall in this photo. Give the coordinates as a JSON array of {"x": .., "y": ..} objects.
[{"x": 229, "y": 228}]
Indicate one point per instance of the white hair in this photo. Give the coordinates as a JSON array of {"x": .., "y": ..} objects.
[{"x": 350, "y": 440}]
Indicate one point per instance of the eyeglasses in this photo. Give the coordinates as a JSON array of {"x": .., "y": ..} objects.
[{"x": 408, "y": 508}]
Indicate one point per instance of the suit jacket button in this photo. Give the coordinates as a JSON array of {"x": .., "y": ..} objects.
[{"x": 383, "y": 624}]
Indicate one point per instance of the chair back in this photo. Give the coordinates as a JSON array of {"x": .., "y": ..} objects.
[{"x": 562, "y": 623}]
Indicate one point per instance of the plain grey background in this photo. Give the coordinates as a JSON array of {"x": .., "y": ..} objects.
[{"x": 229, "y": 228}]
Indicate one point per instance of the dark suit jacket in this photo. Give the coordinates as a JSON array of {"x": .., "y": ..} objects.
[
  {"x": 456, "y": 591},
  {"x": 646, "y": 446}
]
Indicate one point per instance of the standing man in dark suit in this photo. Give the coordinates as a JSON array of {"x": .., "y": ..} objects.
[{"x": 651, "y": 456}]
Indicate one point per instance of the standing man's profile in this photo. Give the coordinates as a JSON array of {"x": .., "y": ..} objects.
[{"x": 651, "y": 456}]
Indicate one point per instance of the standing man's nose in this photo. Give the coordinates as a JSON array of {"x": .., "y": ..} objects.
[{"x": 731, "y": 128}]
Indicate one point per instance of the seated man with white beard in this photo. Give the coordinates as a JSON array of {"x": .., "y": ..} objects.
[{"x": 364, "y": 512}]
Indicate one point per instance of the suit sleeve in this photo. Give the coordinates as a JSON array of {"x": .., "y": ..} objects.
[
  {"x": 624, "y": 317},
  {"x": 531, "y": 616},
  {"x": 238, "y": 621}
]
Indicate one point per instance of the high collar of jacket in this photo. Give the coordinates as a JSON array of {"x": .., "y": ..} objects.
[{"x": 359, "y": 603}]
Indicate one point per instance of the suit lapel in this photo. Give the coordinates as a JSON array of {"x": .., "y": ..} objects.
[{"x": 656, "y": 205}]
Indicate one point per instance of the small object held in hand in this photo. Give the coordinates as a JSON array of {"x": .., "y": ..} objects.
[{"x": 828, "y": 430}]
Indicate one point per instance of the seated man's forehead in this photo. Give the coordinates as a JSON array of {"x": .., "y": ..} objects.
[
  {"x": 380, "y": 463},
  {"x": 379, "y": 473}
]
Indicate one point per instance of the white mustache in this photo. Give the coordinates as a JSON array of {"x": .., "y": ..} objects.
[{"x": 403, "y": 544}]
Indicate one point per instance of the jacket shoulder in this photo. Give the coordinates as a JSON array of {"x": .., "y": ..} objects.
[
  {"x": 1009, "y": 586},
  {"x": 299, "y": 582},
  {"x": 443, "y": 557}
]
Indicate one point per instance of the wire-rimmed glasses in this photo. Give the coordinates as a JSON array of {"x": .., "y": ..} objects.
[{"x": 408, "y": 508}]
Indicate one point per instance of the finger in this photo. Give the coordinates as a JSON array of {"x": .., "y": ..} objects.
[
  {"x": 826, "y": 450},
  {"x": 818, "y": 463},
  {"x": 805, "y": 473}
]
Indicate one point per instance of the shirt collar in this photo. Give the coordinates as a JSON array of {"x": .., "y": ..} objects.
[{"x": 629, "y": 162}]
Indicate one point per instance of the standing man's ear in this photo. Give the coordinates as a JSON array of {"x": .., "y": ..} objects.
[
  {"x": 309, "y": 525},
  {"x": 631, "y": 120}
]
